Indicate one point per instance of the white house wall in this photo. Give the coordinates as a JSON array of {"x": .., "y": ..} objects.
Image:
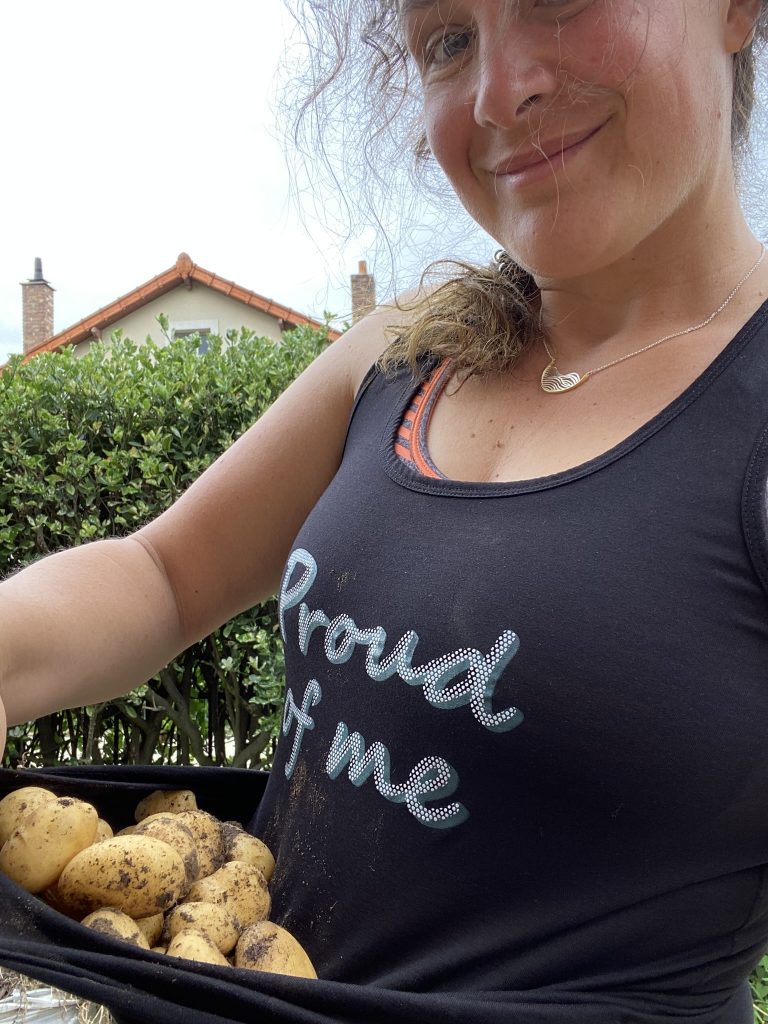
[{"x": 185, "y": 307}]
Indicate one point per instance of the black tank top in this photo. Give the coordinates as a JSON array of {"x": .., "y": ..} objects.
[{"x": 525, "y": 753}]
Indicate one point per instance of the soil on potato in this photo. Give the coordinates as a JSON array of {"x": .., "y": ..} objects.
[
  {"x": 257, "y": 949},
  {"x": 107, "y": 928}
]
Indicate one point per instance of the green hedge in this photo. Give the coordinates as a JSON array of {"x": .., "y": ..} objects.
[
  {"x": 94, "y": 447},
  {"x": 759, "y": 982}
]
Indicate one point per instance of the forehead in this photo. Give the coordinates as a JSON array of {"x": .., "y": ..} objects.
[
  {"x": 415, "y": 10},
  {"x": 407, "y": 7}
]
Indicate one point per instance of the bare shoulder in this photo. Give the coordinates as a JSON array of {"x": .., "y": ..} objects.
[
  {"x": 368, "y": 339},
  {"x": 223, "y": 544}
]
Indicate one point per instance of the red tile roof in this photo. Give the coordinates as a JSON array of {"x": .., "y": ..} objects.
[{"x": 184, "y": 271}]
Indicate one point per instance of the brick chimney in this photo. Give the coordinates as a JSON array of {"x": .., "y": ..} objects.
[
  {"x": 37, "y": 303},
  {"x": 363, "y": 292}
]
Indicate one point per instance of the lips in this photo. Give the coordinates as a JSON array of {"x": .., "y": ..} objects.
[{"x": 544, "y": 153}]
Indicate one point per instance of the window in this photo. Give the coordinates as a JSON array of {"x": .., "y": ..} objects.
[
  {"x": 203, "y": 335},
  {"x": 203, "y": 328}
]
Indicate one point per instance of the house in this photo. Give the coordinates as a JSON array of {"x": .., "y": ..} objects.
[{"x": 195, "y": 301}]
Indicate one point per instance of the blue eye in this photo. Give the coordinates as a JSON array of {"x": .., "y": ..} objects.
[{"x": 447, "y": 47}]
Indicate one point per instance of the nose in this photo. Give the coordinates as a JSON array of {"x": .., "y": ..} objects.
[{"x": 512, "y": 81}]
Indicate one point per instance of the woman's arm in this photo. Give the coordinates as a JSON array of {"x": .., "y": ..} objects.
[{"x": 88, "y": 624}]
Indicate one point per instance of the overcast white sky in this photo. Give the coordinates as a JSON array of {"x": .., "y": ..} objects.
[{"x": 133, "y": 132}]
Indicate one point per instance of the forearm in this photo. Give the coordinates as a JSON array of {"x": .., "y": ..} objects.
[{"x": 83, "y": 626}]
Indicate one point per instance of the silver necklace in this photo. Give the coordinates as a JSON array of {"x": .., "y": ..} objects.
[{"x": 554, "y": 383}]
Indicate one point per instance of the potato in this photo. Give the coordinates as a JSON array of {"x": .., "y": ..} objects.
[
  {"x": 136, "y": 874},
  {"x": 191, "y": 945},
  {"x": 171, "y": 800},
  {"x": 210, "y": 919},
  {"x": 129, "y": 830},
  {"x": 173, "y": 815},
  {"x": 103, "y": 830},
  {"x": 239, "y": 887},
  {"x": 209, "y": 839},
  {"x": 174, "y": 832},
  {"x": 46, "y": 840},
  {"x": 160, "y": 949},
  {"x": 240, "y": 845},
  {"x": 17, "y": 805},
  {"x": 117, "y": 925},
  {"x": 265, "y": 946},
  {"x": 54, "y": 899},
  {"x": 151, "y": 927}
]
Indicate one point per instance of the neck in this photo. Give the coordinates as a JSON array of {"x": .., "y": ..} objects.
[{"x": 671, "y": 281}]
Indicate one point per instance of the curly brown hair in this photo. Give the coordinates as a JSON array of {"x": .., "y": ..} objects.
[{"x": 358, "y": 97}]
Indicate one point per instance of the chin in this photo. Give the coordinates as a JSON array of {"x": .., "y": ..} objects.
[
  {"x": 571, "y": 234},
  {"x": 570, "y": 250},
  {"x": 563, "y": 261}
]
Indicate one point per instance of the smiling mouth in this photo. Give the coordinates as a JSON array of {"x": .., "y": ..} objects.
[{"x": 547, "y": 156}]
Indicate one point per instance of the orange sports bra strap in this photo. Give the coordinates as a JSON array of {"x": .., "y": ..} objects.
[{"x": 410, "y": 441}]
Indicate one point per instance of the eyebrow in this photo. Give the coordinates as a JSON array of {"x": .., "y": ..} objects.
[{"x": 409, "y": 6}]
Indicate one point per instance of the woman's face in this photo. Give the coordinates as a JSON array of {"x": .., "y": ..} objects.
[{"x": 572, "y": 130}]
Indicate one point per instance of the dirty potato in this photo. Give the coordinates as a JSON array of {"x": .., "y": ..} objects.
[
  {"x": 210, "y": 919},
  {"x": 241, "y": 845},
  {"x": 265, "y": 946},
  {"x": 103, "y": 830},
  {"x": 52, "y": 897},
  {"x": 209, "y": 839},
  {"x": 136, "y": 874},
  {"x": 17, "y": 805},
  {"x": 117, "y": 925},
  {"x": 191, "y": 945},
  {"x": 151, "y": 927},
  {"x": 239, "y": 887},
  {"x": 129, "y": 830},
  {"x": 174, "y": 832},
  {"x": 45, "y": 841},
  {"x": 172, "y": 801}
]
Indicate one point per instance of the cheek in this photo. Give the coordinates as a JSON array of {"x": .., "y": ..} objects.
[
  {"x": 443, "y": 124},
  {"x": 606, "y": 49},
  {"x": 648, "y": 55},
  {"x": 622, "y": 43}
]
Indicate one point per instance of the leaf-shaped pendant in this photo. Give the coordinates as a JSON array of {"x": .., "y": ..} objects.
[{"x": 554, "y": 383}]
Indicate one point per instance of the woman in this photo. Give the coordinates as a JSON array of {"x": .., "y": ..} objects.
[{"x": 525, "y": 611}]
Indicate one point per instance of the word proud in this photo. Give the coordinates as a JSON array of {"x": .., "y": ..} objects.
[{"x": 457, "y": 679}]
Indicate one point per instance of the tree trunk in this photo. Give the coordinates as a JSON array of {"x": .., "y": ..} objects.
[{"x": 49, "y": 748}]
